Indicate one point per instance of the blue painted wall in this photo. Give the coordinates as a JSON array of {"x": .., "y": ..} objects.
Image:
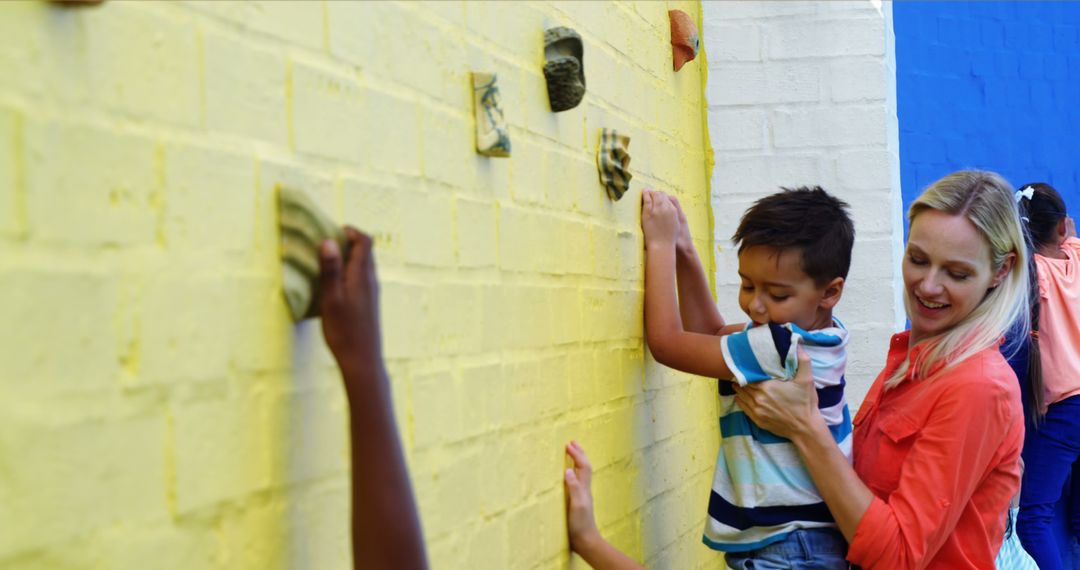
[{"x": 991, "y": 85}]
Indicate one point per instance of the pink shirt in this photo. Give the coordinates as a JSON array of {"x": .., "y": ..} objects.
[
  {"x": 1059, "y": 322},
  {"x": 942, "y": 459}
]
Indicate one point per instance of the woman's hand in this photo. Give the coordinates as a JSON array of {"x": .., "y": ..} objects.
[
  {"x": 788, "y": 409},
  {"x": 659, "y": 219}
]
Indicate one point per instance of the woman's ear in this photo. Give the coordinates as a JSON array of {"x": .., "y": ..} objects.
[
  {"x": 830, "y": 295},
  {"x": 1006, "y": 266}
]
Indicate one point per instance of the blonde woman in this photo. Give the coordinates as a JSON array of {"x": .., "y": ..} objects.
[{"x": 938, "y": 438}]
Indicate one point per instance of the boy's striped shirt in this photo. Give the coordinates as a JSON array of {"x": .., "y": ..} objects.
[{"x": 761, "y": 490}]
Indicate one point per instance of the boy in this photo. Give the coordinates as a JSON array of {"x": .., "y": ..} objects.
[{"x": 794, "y": 255}]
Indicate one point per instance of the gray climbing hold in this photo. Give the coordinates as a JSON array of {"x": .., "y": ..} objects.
[{"x": 565, "y": 68}]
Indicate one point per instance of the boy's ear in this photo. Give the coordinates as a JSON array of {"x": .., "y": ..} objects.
[{"x": 830, "y": 294}]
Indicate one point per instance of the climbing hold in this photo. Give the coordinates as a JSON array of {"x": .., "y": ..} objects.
[
  {"x": 685, "y": 41},
  {"x": 492, "y": 135},
  {"x": 613, "y": 161},
  {"x": 303, "y": 229},
  {"x": 565, "y": 68}
]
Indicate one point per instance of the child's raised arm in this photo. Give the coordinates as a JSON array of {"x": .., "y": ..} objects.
[
  {"x": 385, "y": 525},
  {"x": 696, "y": 305},
  {"x": 670, "y": 344}
]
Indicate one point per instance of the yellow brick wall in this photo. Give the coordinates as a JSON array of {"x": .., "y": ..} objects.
[{"x": 157, "y": 407}]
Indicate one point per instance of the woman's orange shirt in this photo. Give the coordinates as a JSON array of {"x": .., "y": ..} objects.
[{"x": 941, "y": 458}]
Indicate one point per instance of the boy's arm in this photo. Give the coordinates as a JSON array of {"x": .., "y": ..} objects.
[
  {"x": 696, "y": 304},
  {"x": 669, "y": 343},
  {"x": 385, "y": 525}
]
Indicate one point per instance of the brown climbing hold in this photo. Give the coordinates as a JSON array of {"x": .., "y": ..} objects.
[
  {"x": 565, "y": 68},
  {"x": 685, "y": 41}
]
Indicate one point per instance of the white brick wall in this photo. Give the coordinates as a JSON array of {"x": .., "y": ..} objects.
[{"x": 805, "y": 93}]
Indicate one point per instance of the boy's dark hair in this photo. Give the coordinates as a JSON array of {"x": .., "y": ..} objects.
[{"x": 807, "y": 219}]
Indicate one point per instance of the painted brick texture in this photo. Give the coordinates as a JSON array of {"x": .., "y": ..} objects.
[
  {"x": 803, "y": 93},
  {"x": 157, "y": 407},
  {"x": 989, "y": 85}
]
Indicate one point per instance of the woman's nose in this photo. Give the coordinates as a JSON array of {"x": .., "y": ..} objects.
[{"x": 930, "y": 284}]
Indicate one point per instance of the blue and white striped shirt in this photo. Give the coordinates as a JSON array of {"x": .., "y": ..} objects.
[{"x": 761, "y": 490}]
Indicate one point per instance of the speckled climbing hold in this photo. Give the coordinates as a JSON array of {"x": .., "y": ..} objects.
[
  {"x": 685, "y": 41},
  {"x": 303, "y": 229},
  {"x": 613, "y": 161},
  {"x": 492, "y": 134},
  {"x": 564, "y": 69}
]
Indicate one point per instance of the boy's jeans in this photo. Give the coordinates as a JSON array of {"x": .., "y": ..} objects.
[{"x": 809, "y": 549}]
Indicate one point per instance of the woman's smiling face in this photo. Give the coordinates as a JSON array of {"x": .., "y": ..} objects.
[{"x": 947, "y": 272}]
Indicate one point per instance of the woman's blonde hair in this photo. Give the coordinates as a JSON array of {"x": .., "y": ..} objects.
[{"x": 987, "y": 200}]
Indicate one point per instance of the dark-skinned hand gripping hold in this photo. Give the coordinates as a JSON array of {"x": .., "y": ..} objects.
[{"x": 303, "y": 229}]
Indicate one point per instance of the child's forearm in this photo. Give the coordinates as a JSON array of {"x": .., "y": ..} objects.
[
  {"x": 385, "y": 528},
  {"x": 662, "y": 319},
  {"x": 601, "y": 555},
  {"x": 696, "y": 305},
  {"x": 669, "y": 343}
]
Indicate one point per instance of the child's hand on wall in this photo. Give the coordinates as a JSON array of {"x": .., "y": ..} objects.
[
  {"x": 659, "y": 219},
  {"x": 580, "y": 521},
  {"x": 1070, "y": 227},
  {"x": 683, "y": 242},
  {"x": 349, "y": 302}
]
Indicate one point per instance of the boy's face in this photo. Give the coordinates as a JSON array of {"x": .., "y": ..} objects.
[{"x": 776, "y": 289}]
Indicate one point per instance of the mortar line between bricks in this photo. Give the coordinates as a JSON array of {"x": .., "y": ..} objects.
[
  {"x": 540, "y": 422},
  {"x": 412, "y": 274},
  {"x": 22, "y": 222},
  {"x": 822, "y": 104},
  {"x": 238, "y": 31},
  {"x": 238, "y": 144},
  {"x": 392, "y": 89},
  {"x": 514, "y": 356},
  {"x": 613, "y": 51},
  {"x": 105, "y": 120}
]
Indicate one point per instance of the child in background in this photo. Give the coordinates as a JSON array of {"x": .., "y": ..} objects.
[
  {"x": 385, "y": 525},
  {"x": 794, "y": 254},
  {"x": 1052, "y": 442}
]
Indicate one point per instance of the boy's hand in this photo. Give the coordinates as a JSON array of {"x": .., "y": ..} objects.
[
  {"x": 1070, "y": 227},
  {"x": 659, "y": 219},
  {"x": 349, "y": 302},
  {"x": 683, "y": 242}
]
